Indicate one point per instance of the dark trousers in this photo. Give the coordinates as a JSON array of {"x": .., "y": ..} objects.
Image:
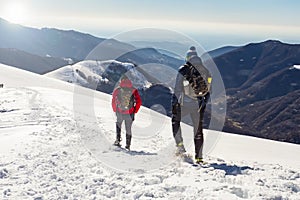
[
  {"x": 128, "y": 118},
  {"x": 196, "y": 111}
]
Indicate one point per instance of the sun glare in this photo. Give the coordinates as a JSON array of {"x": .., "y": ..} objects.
[{"x": 15, "y": 12}]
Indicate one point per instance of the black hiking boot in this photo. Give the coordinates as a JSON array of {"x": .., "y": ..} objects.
[
  {"x": 180, "y": 149},
  {"x": 117, "y": 142},
  {"x": 128, "y": 142},
  {"x": 200, "y": 161},
  {"x": 127, "y": 147}
]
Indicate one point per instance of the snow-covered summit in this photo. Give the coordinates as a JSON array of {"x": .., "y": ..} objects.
[
  {"x": 295, "y": 67},
  {"x": 90, "y": 73},
  {"x": 56, "y": 144}
]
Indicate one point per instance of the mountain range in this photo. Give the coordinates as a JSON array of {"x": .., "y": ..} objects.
[
  {"x": 70, "y": 45},
  {"x": 263, "y": 90},
  {"x": 31, "y": 62},
  {"x": 47, "y": 41}
]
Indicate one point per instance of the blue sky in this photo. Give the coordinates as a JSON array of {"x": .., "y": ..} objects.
[{"x": 213, "y": 23}]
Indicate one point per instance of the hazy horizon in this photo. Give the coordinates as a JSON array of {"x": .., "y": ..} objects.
[{"x": 213, "y": 24}]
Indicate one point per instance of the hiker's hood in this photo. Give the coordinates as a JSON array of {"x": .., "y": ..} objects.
[{"x": 126, "y": 83}]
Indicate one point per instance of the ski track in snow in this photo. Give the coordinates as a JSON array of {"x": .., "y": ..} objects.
[{"x": 52, "y": 162}]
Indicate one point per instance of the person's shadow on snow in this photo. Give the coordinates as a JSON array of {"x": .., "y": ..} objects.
[
  {"x": 231, "y": 169},
  {"x": 135, "y": 153}
]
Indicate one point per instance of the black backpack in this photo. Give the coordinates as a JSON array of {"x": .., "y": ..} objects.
[
  {"x": 125, "y": 98},
  {"x": 196, "y": 81}
]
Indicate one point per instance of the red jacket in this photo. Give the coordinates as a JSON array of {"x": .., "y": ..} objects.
[{"x": 126, "y": 84}]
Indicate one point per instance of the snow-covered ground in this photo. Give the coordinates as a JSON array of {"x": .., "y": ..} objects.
[{"x": 56, "y": 144}]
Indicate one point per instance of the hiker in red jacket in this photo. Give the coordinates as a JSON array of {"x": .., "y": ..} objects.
[{"x": 126, "y": 101}]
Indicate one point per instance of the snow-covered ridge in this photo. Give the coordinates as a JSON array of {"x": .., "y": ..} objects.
[
  {"x": 50, "y": 150},
  {"x": 295, "y": 67},
  {"x": 89, "y": 73}
]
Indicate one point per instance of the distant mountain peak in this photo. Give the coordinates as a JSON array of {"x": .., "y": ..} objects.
[
  {"x": 273, "y": 41},
  {"x": 266, "y": 42}
]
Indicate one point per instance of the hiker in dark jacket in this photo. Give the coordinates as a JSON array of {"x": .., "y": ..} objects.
[
  {"x": 126, "y": 102},
  {"x": 191, "y": 94}
]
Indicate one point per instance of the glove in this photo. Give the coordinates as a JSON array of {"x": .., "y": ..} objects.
[
  {"x": 202, "y": 101},
  {"x": 175, "y": 108},
  {"x": 174, "y": 100},
  {"x": 206, "y": 98}
]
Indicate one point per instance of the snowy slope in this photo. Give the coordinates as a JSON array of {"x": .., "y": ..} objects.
[{"x": 55, "y": 144}]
